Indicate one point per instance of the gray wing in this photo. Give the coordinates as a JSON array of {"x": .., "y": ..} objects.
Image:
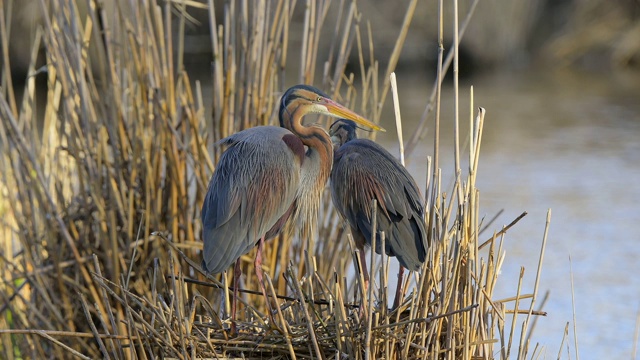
[
  {"x": 362, "y": 171},
  {"x": 253, "y": 186}
]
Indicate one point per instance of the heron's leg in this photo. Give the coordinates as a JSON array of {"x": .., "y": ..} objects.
[
  {"x": 237, "y": 272},
  {"x": 365, "y": 273},
  {"x": 258, "y": 266},
  {"x": 398, "y": 298},
  {"x": 365, "y": 276}
]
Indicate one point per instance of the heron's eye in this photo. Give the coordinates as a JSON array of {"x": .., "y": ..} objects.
[{"x": 319, "y": 99}]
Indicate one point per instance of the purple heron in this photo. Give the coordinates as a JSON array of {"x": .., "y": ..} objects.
[{"x": 362, "y": 171}]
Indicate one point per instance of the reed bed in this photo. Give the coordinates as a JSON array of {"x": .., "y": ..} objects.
[{"x": 101, "y": 198}]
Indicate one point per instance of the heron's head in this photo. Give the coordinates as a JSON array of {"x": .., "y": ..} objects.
[
  {"x": 342, "y": 131},
  {"x": 309, "y": 100}
]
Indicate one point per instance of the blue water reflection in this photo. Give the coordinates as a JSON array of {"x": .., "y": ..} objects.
[{"x": 569, "y": 142}]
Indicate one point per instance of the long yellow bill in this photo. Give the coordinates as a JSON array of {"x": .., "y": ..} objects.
[{"x": 342, "y": 112}]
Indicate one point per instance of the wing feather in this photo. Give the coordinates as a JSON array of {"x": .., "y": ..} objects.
[
  {"x": 253, "y": 186},
  {"x": 362, "y": 171}
]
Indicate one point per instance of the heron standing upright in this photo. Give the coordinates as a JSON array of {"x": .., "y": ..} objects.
[
  {"x": 363, "y": 171},
  {"x": 264, "y": 178}
]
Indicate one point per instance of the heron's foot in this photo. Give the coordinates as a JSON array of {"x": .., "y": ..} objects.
[{"x": 233, "y": 332}]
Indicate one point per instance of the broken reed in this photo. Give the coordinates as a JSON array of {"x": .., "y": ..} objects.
[{"x": 101, "y": 207}]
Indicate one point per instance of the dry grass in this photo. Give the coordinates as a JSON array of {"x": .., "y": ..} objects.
[{"x": 101, "y": 198}]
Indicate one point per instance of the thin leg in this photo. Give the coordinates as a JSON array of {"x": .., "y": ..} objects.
[
  {"x": 237, "y": 272},
  {"x": 398, "y": 297},
  {"x": 365, "y": 274},
  {"x": 259, "y": 274},
  {"x": 258, "y": 266}
]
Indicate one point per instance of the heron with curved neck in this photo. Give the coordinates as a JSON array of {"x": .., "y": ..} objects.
[{"x": 265, "y": 179}]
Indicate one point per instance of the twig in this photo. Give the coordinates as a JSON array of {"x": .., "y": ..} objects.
[
  {"x": 522, "y": 349},
  {"x": 573, "y": 307},
  {"x": 443, "y": 66},
  {"x": 491, "y": 221},
  {"x": 64, "y": 333},
  {"x": 87, "y": 314},
  {"x": 46, "y": 335},
  {"x": 504, "y": 230},
  {"x": 283, "y": 322},
  {"x": 427, "y": 319},
  {"x": 312, "y": 333},
  {"x": 396, "y": 108}
]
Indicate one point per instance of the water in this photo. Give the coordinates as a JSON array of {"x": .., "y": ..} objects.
[{"x": 569, "y": 142}]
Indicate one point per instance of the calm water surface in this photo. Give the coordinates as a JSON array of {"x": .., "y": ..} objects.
[{"x": 569, "y": 142}]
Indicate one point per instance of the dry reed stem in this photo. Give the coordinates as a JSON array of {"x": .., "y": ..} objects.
[
  {"x": 443, "y": 66},
  {"x": 123, "y": 159},
  {"x": 573, "y": 307}
]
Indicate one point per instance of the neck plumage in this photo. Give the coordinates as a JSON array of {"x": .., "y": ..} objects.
[{"x": 315, "y": 170}]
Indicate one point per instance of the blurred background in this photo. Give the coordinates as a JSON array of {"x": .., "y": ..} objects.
[{"x": 560, "y": 81}]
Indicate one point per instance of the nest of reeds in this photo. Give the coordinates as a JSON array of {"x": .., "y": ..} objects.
[{"x": 105, "y": 168}]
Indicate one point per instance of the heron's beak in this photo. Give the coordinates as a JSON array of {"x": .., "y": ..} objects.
[{"x": 340, "y": 111}]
